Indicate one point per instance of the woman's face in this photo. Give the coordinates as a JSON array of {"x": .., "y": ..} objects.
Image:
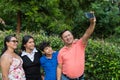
[
  {"x": 30, "y": 44},
  {"x": 12, "y": 43}
]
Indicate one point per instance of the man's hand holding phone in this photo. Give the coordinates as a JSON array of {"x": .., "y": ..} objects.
[{"x": 91, "y": 16}]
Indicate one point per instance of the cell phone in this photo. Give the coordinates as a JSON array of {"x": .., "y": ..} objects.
[{"x": 89, "y": 15}]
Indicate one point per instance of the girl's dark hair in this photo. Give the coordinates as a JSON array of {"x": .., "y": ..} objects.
[
  {"x": 24, "y": 41},
  {"x": 43, "y": 44},
  {"x": 7, "y": 39}
]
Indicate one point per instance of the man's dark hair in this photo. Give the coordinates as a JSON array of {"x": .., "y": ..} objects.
[
  {"x": 63, "y": 32},
  {"x": 43, "y": 45}
]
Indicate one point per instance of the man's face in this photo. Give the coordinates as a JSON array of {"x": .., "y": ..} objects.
[{"x": 67, "y": 38}]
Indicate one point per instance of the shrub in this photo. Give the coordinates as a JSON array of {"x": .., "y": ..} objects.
[{"x": 102, "y": 61}]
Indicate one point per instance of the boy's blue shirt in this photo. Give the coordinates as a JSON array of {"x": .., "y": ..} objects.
[{"x": 50, "y": 66}]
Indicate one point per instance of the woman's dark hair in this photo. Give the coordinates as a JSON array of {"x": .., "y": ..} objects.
[
  {"x": 43, "y": 44},
  {"x": 7, "y": 39},
  {"x": 24, "y": 41}
]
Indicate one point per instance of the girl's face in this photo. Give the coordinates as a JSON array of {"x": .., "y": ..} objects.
[{"x": 30, "y": 44}]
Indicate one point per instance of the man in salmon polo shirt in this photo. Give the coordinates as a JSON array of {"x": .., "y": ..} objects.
[{"x": 71, "y": 58}]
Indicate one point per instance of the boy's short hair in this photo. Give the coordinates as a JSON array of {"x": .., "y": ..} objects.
[{"x": 43, "y": 45}]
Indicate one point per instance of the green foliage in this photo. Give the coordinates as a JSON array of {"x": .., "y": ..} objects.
[
  {"x": 53, "y": 16},
  {"x": 117, "y": 30},
  {"x": 107, "y": 13},
  {"x": 56, "y": 27},
  {"x": 102, "y": 61},
  {"x": 114, "y": 39}
]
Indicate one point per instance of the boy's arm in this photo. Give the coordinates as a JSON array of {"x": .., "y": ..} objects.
[{"x": 42, "y": 76}]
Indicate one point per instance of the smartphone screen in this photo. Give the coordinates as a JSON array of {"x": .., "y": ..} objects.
[{"x": 89, "y": 15}]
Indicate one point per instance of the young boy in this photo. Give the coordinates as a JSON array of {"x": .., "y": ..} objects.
[{"x": 48, "y": 61}]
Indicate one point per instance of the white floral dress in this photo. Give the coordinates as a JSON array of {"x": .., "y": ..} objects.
[{"x": 16, "y": 71}]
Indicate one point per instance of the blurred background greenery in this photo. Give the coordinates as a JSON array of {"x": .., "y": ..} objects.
[{"x": 52, "y": 16}]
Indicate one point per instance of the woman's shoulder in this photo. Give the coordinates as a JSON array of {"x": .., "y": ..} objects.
[{"x": 6, "y": 58}]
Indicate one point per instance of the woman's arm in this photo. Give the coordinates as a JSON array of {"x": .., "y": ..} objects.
[{"x": 5, "y": 65}]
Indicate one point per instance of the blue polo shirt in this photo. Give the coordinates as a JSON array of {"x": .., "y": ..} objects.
[{"x": 50, "y": 66}]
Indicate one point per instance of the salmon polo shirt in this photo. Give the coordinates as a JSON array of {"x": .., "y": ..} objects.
[{"x": 73, "y": 59}]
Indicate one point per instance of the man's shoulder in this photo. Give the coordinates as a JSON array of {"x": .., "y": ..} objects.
[
  {"x": 63, "y": 49},
  {"x": 79, "y": 41}
]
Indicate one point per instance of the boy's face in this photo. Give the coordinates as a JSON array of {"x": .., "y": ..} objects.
[{"x": 48, "y": 50}]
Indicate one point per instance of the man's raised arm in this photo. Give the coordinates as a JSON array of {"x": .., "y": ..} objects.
[{"x": 89, "y": 31}]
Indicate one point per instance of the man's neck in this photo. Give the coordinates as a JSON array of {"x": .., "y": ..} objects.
[{"x": 68, "y": 45}]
